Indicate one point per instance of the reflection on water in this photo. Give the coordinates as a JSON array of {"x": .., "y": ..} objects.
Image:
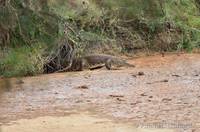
[
  {"x": 5, "y": 85},
  {"x": 8, "y": 84}
]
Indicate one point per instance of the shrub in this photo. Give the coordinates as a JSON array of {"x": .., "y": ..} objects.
[{"x": 24, "y": 61}]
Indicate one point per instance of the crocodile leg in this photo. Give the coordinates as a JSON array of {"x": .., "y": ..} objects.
[
  {"x": 97, "y": 67},
  {"x": 108, "y": 64},
  {"x": 84, "y": 64}
]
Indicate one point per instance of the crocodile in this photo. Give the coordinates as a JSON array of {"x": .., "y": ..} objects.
[{"x": 96, "y": 61}]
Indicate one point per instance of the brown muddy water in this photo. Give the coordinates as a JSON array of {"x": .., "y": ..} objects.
[{"x": 162, "y": 94}]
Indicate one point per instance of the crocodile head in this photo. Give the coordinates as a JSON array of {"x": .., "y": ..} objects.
[{"x": 119, "y": 62}]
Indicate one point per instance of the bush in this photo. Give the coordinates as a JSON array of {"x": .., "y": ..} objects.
[
  {"x": 108, "y": 26},
  {"x": 24, "y": 61}
]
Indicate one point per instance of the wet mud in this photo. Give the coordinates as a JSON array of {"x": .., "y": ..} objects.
[{"x": 159, "y": 89}]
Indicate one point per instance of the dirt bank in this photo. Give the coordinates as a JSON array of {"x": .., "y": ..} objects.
[{"x": 160, "y": 89}]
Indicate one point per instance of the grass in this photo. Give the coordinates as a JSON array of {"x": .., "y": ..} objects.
[
  {"x": 107, "y": 26},
  {"x": 23, "y": 61}
]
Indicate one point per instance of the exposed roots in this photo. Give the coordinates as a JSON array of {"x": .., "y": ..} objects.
[
  {"x": 62, "y": 56},
  {"x": 60, "y": 60}
]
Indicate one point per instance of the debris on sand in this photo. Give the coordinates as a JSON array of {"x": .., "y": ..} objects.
[
  {"x": 166, "y": 100},
  {"x": 116, "y": 96},
  {"x": 119, "y": 99},
  {"x": 150, "y": 96},
  {"x": 138, "y": 74},
  {"x": 175, "y": 75},
  {"x": 135, "y": 103},
  {"x": 161, "y": 81},
  {"x": 143, "y": 94},
  {"x": 82, "y": 87},
  {"x": 164, "y": 80},
  {"x": 141, "y": 73},
  {"x": 133, "y": 75}
]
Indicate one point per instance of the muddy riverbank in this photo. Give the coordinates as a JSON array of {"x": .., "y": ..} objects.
[{"x": 160, "y": 89}]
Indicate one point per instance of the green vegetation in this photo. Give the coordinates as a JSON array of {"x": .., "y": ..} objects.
[
  {"x": 31, "y": 29},
  {"x": 22, "y": 61}
]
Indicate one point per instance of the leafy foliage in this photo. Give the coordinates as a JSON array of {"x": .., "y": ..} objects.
[
  {"x": 22, "y": 61},
  {"x": 111, "y": 26}
]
